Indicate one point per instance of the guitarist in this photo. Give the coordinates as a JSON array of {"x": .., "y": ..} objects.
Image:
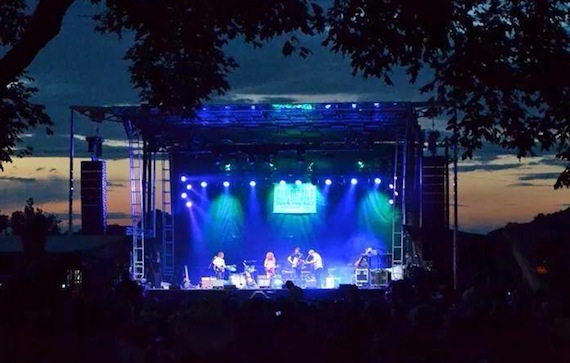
[
  {"x": 296, "y": 261},
  {"x": 219, "y": 266}
]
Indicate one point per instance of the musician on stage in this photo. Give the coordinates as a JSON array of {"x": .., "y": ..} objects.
[
  {"x": 270, "y": 265},
  {"x": 316, "y": 261},
  {"x": 364, "y": 259},
  {"x": 296, "y": 261},
  {"x": 219, "y": 266}
]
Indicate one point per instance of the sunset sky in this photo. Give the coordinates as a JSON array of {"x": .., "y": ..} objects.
[{"x": 80, "y": 67}]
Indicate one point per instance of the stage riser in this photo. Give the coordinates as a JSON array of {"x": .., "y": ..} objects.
[{"x": 242, "y": 295}]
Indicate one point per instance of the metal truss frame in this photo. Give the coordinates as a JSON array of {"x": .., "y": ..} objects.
[{"x": 317, "y": 127}]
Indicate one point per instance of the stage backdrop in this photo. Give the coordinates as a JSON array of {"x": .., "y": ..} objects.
[{"x": 246, "y": 221}]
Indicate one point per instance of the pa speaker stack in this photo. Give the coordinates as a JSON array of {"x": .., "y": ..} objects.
[{"x": 93, "y": 197}]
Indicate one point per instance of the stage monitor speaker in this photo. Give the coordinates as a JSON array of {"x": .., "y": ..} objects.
[
  {"x": 93, "y": 197},
  {"x": 434, "y": 193},
  {"x": 379, "y": 277}
]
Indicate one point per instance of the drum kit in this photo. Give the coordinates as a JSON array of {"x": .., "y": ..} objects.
[{"x": 246, "y": 279}]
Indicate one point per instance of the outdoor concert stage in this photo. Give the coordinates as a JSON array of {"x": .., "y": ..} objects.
[{"x": 251, "y": 179}]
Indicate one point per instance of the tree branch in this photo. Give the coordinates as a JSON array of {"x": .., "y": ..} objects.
[{"x": 43, "y": 26}]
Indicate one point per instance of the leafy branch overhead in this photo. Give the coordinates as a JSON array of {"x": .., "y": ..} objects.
[
  {"x": 177, "y": 60},
  {"x": 498, "y": 69}
]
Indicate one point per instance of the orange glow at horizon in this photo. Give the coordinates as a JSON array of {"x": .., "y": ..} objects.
[{"x": 487, "y": 200}]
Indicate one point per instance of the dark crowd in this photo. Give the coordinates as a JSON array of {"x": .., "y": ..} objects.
[{"x": 411, "y": 321}]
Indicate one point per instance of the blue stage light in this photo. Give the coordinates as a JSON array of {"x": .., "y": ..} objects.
[
  {"x": 298, "y": 182},
  {"x": 328, "y": 107},
  {"x": 391, "y": 201},
  {"x": 252, "y": 183},
  {"x": 377, "y": 181},
  {"x": 184, "y": 195},
  {"x": 188, "y": 204},
  {"x": 396, "y": 193},
  {"x": 189, "y": 187},
  {"x": 354, "y": 105},
  {"x": 282, "y": 182},
  {"x": 391, "y": 186},
  {"x": 328, "y": 182},
  {"x": 183, "y": 179},
  {"x": 226, "y": 184},
  {"x": 353, "y": 181},
  {"x": 203, "y": 184}
]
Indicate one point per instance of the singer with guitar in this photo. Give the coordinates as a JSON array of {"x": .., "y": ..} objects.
[
  {"x": 270, "y": 265},
  {"x": 219, "y": 266}
]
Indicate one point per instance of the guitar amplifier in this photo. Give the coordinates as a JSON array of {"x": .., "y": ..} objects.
[
  {"x": 207, "y": 282},
  {"x": 361, "y": 276},
  {"x": 263, "y": 281},
  {"x": 218, "y": 284},
  {"x": 379, "y": 277}
]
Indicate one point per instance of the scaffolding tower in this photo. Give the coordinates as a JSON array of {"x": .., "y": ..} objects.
[
  {"x": 137, "y": 228},
  {"x": 168, "y": 251}
]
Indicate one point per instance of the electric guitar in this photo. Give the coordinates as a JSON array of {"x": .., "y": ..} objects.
[
  {"x": 186, "y": 281},
  {"x": 230, "y": 268}
]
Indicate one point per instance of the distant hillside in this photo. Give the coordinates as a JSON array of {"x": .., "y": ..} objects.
[
  {"x": 544, "y": 242},
  {"x": 542, "y": 225}
]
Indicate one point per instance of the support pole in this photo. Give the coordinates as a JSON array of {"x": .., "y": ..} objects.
[
  {"x": 71, "y": 180},
  {"x": 455, "y": 210}
]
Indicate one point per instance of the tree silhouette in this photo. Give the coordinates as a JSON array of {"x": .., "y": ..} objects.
[
  {"x": 4, "y": 223},
  {"x": 33, "y": 226},
  {"x": 498, "y": 70},
  {"x": 177, "y": 59}
]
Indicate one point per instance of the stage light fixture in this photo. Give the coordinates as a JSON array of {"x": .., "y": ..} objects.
[
  {"x": 377, "y": 181},
  {"x": 184, "y": 195},
  {"x": 353, "y": 181},
  {"x": 226, "y": 184},
  {"x": 395, "y": 193},
  {"x": 183, "y": 179},
  {"x": 298, "y": 182},
  {"x": 328, "y": 182},
  {"x": 391, "y": 201},
  {"x": 189, "y": 187},
  {"x": 188, "y": 204},
  {"x": 252, "y": 183},
  {"x": 391, "y": 186},
  {"x": 282, "y": 182},
  {"x": 354, "y": 105},
  {"x": 203, "y": 184}
]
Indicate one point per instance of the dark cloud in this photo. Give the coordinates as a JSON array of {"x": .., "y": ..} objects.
[
  {"x": 58, "y": 146},
  {"x": 487, "y": 167},
  {"x": 539, "y": 176},
  {"x": 117, "y": 216},
  {"x": 18, "y": 179},
  {"x": 15, "y": 192},
  {"x": 552, "y": 161},
  {"x": 115, "y": 184},
  {"x": 522, "y": 184}
]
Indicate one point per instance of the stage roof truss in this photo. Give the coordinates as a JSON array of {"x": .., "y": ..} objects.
[{"x": 275, "y": 124}]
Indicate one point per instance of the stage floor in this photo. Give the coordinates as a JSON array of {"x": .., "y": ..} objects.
[{"x": 245, "y": 294}]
